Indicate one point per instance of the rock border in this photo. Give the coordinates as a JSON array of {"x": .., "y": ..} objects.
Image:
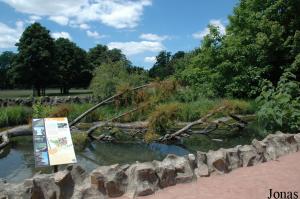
[
  {"x": 141, "y": 179},
  {"x": 46, "y": 100}
]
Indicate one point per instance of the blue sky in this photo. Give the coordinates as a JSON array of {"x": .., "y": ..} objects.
[{"x": 140, "y": 28}]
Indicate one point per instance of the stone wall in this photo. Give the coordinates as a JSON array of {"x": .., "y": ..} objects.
[
  {"x": 45, "y": 100},
  {"x": 140, "y": 179}
]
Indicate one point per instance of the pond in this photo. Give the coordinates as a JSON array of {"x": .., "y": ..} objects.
[{"x": 17, "y": 162}]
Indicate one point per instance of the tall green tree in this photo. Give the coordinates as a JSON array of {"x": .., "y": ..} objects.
[
  {"x": 100, "y": 54},
  {"x": 108, "y": 77},
  {"x": 34, "y": 62},
  {"x": 262, "y": 41},
  {"x": 97, "y": 56},
  {"x": 6, "y": 61},
  {"x": 71, "y": 65},
  {"x": 200, "y": 72},
  {"x": 162, "y": 69}
]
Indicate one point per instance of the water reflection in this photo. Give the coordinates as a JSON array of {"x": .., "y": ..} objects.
[{"x": 17, "y": 163}]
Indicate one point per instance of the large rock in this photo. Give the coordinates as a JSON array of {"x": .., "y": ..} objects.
[
  {"x": 261, "y": 149},
  {"x": 166, "y": 173},
  {"x": 297, "y": 139},
  {"x": 88, "y": 192},
  {"x": 65, "y": 183},
  {"x": 142, "y": 179},
  {"x": 279, "y": 144},
  {"x": 110, "y": 180},
  {"x": 183, "y": 169},
  {"x": 78, "y": 174},
  {"x": 249, "y": 156},
  {"x": 202, "y": 168},
  {"x": 43, "y": 187},
  {"x": 192, "y": 160},
  {"x": 217, "y": 161},
  {"x": 233, "y": 158}
]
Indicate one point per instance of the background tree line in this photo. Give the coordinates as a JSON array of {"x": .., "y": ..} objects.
[{"x": 42, "y": 62}]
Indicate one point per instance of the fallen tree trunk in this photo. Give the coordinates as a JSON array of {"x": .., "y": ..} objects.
[
  {"x": 188, "y": 126},
  {"x": 186, "y": 130},
  {"x": 119, "y": 125},
  {"x": 133, "y": 125},
  {"x": 14, "y": 132},
  {"x": 76, "y": 120}
]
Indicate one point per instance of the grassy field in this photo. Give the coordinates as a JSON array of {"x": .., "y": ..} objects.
[{"x": 49, "y": 92}]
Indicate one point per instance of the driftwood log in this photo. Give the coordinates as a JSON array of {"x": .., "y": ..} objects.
[{"x": 14, "y": 132}]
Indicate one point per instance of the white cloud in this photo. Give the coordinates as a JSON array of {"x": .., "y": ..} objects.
[
  {"x": 34, "y": 18},
  {"x": 150, "y": 60},
  {"x": 61, "y": 20},
  {"x": 84, "y": 26},
  {"x": 115, "y": 13},
  {"x": 214, "y": 22},
  {"x": 46, "y": 8},
  {"x": 133, "y": 47},
  {"x": 94, "y": 34},
  {"x": 153, "y": 37},
  {"x": 9, "y": 36},
  {"x": 65, "y": 35}
]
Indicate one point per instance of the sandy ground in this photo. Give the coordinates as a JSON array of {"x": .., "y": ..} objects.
[{"x": 244, "y": 183}]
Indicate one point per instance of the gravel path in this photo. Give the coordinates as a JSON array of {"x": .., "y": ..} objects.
[{"x": 244, "y": 183}]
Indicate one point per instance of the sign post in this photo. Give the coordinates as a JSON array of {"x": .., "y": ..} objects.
[{"x": 52, "y": 142}]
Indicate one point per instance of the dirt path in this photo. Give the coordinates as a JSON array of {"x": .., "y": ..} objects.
[{"x": 244, "y": 183}]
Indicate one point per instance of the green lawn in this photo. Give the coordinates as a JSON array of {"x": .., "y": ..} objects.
[{"x": 49, "y": 92}]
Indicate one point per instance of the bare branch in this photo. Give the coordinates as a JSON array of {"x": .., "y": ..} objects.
[
  {"x": 76, "y": 120},
  {"x": 190, "y": 125}
]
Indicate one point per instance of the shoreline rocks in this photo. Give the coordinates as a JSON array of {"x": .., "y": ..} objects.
[
  {"x": 141, "y": 179},
  {"x": 46, "y": 100}
]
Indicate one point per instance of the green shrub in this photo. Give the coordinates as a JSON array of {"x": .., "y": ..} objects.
[
  {"x": 80, "y": 140},
  {"x": 78, "y": 109},
  {"x": 194, "y": 110},
  {"x": 280, "y": 106},
  {"x": 14, "y": 115},
  {"x": 40, "y": 110}
]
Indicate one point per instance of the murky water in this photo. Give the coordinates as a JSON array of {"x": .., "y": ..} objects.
[{"x": 17, "y": 162}]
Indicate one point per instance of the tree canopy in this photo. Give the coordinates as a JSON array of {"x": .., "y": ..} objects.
[
  {"x": 70, "y": 61},
  {"x": 34, "y": 61},
  {"x": 6, "y": 60},
  {"x": 261, "y": 42}
]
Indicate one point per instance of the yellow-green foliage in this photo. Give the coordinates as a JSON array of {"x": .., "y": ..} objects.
[
  {"x": 238, "y": 106},
  {"x": 150, "y": 136},
  {"x": 126, "y": 98},
  {"x": 165, "y": 89},
  {"x": 62, "y": 110},
  {"x": 163, "y": 118},
  {"x": 140, "y": 96},
  {"x": 79, "y": 140}
]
